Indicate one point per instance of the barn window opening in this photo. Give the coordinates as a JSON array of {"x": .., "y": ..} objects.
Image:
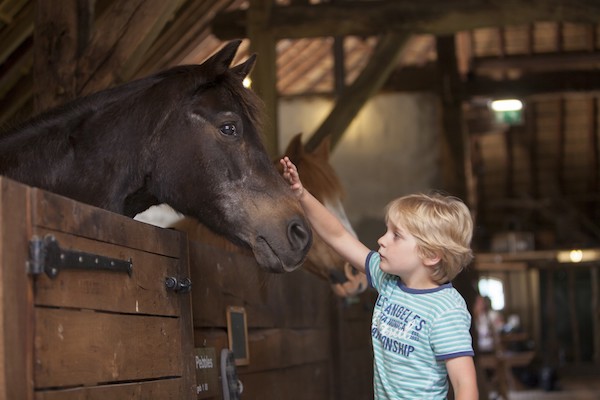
[{"x": 494, "y": 289}]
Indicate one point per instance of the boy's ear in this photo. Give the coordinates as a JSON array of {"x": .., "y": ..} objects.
[{"x": 431, "y": 260}]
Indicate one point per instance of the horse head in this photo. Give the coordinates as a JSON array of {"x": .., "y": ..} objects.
[
  {"x": 223, "y": 174},
  {"x": 319, "y": 177},
  {"x": 188, "y": 137}
]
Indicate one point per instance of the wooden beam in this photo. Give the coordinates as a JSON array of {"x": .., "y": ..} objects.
[
  {"x": 57, "y": 44},
  {"x": 538, "y": 62},
  {"x": 573, "y": 317},
  {"x": 367, "y": 84},
  {"x": 15, "y": 105},
  {"x": 425, "y": 78},
  {"x": 17, "y": 32},
  {"x": 122, "y": 35},
  {"x": 414, "y": 79},
  {"x": 16, "y": 66},
  {"x": 595, "y": 305},
  {"x": 454, "y": 147},
  {"x": 185, "y": 32},
  {"x": 439, "y": 17},
  {"x": 535, "y": 83},
  {"x": 264, "y": 74}
]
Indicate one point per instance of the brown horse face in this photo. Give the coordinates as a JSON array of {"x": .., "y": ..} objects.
[
  {"x": 320, "y": 179},
  {"x": 220, "y": 172}
]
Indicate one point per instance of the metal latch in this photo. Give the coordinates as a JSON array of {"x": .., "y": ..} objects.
[
  {"x": 46, "y": 256},
  {"x": 178, "y": 286}
]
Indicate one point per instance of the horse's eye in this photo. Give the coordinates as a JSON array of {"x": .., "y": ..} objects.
[{"x": 229, "y": 130}]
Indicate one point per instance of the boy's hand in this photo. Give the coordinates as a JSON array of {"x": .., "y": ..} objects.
[{"x": 290, "y": 174}]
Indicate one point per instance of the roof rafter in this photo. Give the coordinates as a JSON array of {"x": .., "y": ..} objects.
[{"x": 439, "y": 17}]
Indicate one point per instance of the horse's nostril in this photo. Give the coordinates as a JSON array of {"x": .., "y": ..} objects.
[{"x": 299, "y": 235}]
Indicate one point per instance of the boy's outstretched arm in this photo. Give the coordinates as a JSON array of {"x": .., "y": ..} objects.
[{"x": 324, "y": 223}]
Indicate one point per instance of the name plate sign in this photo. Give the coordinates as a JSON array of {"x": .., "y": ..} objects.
[{"x": 207, "y": 373}]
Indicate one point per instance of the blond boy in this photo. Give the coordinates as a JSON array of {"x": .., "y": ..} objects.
[{"x": 420, "y": 325}]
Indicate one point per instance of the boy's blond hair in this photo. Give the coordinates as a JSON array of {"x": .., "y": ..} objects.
[{"x": 442, "y": 226}]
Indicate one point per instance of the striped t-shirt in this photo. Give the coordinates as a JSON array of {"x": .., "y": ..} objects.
[{"x": 414, "y": 332}]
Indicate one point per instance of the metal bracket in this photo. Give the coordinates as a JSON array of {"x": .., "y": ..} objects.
[
  {"x": 178, "y": 286},
  {"x": 46, "y": 256}
]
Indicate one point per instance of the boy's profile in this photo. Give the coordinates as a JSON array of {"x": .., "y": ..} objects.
[{"x": 420, "y": 326}]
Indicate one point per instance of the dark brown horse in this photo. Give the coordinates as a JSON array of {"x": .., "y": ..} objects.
[{"x": 188, "y": 137}]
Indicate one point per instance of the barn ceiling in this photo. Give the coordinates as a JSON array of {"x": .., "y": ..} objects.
[{"x": 542, "y": 175}]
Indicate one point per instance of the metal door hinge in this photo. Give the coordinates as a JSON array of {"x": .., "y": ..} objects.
[{"x": 46, "y": 256}]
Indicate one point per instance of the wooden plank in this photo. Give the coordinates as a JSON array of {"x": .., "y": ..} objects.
[
  {"x": 164, "y": 389},
  {"x": 308, "y": 381},
  {"x": 271, "y": 349},
  {"x": 296, "y": 299},
  {"x": 123, "y": 33},
  {"x": 17, "y": 31},
  {"x": 188, "y": 388},
  {"x": 58, "y": 38},
  {"x": 439, "y": 17},
  {"x": 143, "y": 292},
  {"x": 16, "y": 104},
  {"x": 186, "y": 31},
  {"x": 75, "y": 347},
  {"x": 65, "y": 215},
  {"x": 16, "y": 296}
]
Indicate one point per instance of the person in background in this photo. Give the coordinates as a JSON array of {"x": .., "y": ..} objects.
[
  {"x": 420, "y": 324},
  {"x": 488, "y": 323}
]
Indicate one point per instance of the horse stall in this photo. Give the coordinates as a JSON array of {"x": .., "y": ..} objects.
[{"x": 89, "y": 311}]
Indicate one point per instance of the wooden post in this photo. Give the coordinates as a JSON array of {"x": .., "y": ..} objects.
[
  {"x": 595, "y": 283},
  {"x": 59, "y": 37},
  {"x": 264, "y": 74},
  {"x": 16, "y": 294},
  {"x": 551, "y": 339},
  {"x": 454, "y": 150},
  {"x": 574, "y": 321}
]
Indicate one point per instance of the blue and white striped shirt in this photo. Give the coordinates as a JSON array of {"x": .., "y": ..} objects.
[{"x": 414, "y": 332}]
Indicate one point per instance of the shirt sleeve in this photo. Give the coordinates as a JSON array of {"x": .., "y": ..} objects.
[
  {"x": 374, "y": 273},
  {"x": 451, "y": 336}
]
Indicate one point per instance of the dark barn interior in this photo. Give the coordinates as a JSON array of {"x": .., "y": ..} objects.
[{"x": 531, "y": 177}]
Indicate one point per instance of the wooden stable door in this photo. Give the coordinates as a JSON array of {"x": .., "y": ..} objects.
[{"x": 93, "y": 304}]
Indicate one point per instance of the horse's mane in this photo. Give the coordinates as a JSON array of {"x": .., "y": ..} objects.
[
  {"x": 192, "y": 82},
  {"x": 75, "y": 109}
]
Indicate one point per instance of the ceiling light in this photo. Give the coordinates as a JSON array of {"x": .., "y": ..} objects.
[{"x": 507, "y": 105}]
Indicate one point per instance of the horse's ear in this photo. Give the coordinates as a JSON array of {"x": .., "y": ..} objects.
[
  {"x": 242, "y": 70},
  {"x": 322, "y": 150},
  {"x": 221, "y": 60},
  {"x": 295, "y": 148}
]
